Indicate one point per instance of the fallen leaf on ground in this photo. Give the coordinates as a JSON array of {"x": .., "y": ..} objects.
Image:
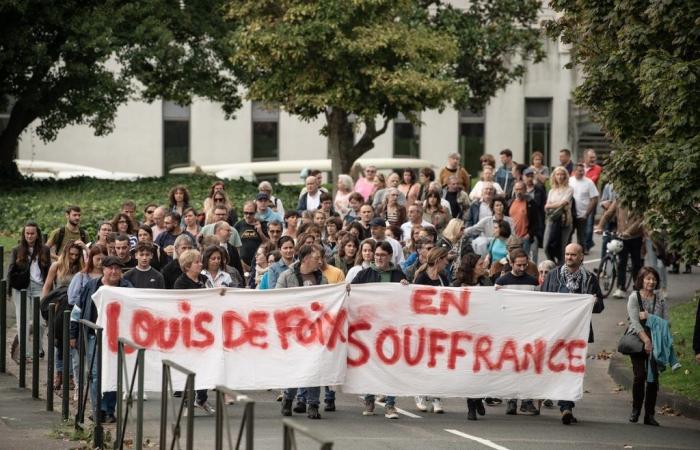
[
  {"x": 621, "y": 324},
  {"x": 668, "y": 411},
  {"x": 604, "y": 354}
]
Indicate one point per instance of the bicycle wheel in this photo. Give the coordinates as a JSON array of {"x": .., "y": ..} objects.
[{"x": 606, "y": 275}]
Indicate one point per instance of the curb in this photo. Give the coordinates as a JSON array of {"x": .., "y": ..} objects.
[{"x": 622, "y": 375}]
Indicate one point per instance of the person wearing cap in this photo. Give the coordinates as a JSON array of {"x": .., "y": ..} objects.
[
  {"x": 263, "y": 211},
  {"x": 453, "y": 168},
  {"x": 377, "y": 227},
  {"x": 111, "y": 276},
  {"x": 274, "y": 202}
]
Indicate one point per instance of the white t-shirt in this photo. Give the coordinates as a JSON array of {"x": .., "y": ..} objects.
[
  {"x": 313, "y": 202},
  {"x": 408, "y": 226},
  {"x": 584, "y": 191},
  {"x": 475, "y": 194}
]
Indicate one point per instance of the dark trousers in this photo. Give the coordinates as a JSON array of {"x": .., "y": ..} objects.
[
  {"x": 580, "y": 226},
  {"x": 640, "y": 384},
  {"x": 632, "y": 248}
]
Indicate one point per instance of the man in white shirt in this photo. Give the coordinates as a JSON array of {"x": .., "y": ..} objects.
[
  {"x": 586, "y": 200},
  {"x": 415, "y": 218},
  {"x": 378, "y": 228}
]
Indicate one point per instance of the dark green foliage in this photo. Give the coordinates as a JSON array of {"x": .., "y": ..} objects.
[
  {"x": 641, "y": 62},
  {"x": 45, "y": 201}
]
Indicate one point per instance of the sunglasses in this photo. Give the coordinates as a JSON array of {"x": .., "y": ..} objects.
[{"x": 247, "y": 213}]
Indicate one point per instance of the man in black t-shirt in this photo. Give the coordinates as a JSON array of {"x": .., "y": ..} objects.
[
  {"x": 252, "y": 232},
  {"x": 143, "y": 275},
  {"x": 517, "y": 278}
]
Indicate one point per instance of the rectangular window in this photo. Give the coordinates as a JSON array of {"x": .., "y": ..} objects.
[
  {"x": 176, "y": 135},
  {"x": 538, "y": 127},
  {"x": 471, "y": 139},
  {"x": 265, "y": 132},
  {"x": 406, "y": 138}
]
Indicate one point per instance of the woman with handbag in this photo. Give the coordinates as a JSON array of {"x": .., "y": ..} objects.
[
  {"x": 29, "y": 265},
  {"x": 642, "y": 302}
]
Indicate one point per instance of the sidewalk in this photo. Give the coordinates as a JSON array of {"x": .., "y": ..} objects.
[{"x": 24, "y": 422}]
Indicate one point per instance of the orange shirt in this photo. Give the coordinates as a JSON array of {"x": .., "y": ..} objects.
[{"x": 518, "y": 212}]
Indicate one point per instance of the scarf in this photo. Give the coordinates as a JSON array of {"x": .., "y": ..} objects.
[{"x": 573, "y": 280}]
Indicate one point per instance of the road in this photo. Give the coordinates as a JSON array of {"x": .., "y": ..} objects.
[{"x": 602, "y": 412}]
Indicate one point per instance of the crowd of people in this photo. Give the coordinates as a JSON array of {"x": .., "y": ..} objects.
[{"x": 428, "y": 228}]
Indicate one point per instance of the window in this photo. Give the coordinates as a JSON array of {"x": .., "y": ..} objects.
[
  {"x": 176, "y": 135},
  {"x": 406, "y": 138},
  {"x": 538, "y": 126},
  {"x": 265, "y": 132},
  {"x": 471, "y": 139}
]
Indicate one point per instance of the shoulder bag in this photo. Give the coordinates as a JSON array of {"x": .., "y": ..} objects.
[{"x": 630, "y": 343}]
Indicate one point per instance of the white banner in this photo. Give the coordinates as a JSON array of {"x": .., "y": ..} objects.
[
  {"x": 475, "y": 342},
  {"x": 243, "y": 339},
  {"x": 381, "y": 338}
]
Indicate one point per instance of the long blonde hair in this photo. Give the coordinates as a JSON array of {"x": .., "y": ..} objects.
[
  {"x": 553, "y": 178},
  {"x": 451, "y": 231}
]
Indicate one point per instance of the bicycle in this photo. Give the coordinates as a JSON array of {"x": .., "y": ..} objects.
[{"x": 607, "y": 269}]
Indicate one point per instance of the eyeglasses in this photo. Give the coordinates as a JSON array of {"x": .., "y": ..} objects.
[
  {"x": 381, "y": 255},
  {"x": 219, "y": 199},
  {"x": 248, "y": 213}
]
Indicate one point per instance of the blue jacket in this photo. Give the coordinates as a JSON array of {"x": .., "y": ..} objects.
[
  {"x": 87, "y": 307},
  {"x": 663, "y": 351},
  {"x": 273, "y": 274}
]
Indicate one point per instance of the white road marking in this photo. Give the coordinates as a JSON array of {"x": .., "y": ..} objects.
[
  {"x": 591, "y": 261},
  {"x": 483, "y": 441}
]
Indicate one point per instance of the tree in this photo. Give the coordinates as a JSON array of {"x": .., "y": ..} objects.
[
  {"x": 75, "y": 62},
  {"x": 641, "y": 62},
  {"x": 355, "y": 60}
]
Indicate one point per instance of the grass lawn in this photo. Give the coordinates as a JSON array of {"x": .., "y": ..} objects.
[{"x": 686, "y": 380}]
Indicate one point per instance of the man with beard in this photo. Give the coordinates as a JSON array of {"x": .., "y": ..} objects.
[
  {"x": 166, "y": 239},
  {"x": 60, "y": 237}
]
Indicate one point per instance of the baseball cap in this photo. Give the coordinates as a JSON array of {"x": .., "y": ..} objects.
[
  {"x": 262, "y": 196},
  {"x": 528, "y": 171},
  {"x": 112, "y": 261},
  {"x": 377, "y": 222}
]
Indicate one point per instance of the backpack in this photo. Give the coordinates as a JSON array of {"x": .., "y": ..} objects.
[
  {"x": 62, "y": 235},
  {"x": 57, "y": 299}
]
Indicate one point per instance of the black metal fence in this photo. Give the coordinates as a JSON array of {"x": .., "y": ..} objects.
[
  {"x": 186, "y": 402},
  {"x": 124, "y": 406},
  {"x": 84, "y": 385},
  {"x": 223, "y": 421},
  {"x": 291, "y": 427}
]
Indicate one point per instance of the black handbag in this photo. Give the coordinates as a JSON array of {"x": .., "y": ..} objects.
[
  {"x": 630, "y": 343},
  {"x": 18, "y": 278}
]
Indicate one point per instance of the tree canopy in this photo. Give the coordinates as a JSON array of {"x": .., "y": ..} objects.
[
  {"x": 364, "y": 59},
  {"x": 641, "y": 69},
  {"x": 75, "y": 62}
]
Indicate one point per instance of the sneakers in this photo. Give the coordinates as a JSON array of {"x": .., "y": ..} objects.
[
  {"x": 369, "y": 408},
  {"x": 300, "y": 408},
  {"x": 528, "y": 407},
  {"x": 437, "y": 406},
  {"x": 548, "y": 404},
  {"x": 330, "y": 406},
  {"x": 206, "y": 407},
  {"x": 567, "y": 417},
  {"x": 493, "y": 401},
  {"x": 313, "y": 412},
  {"x": 511, "y": 408},
  {"x": 618, "y": 293},
  {"x": 390, "y": 412},
  {"x": 421, "y": 403}
]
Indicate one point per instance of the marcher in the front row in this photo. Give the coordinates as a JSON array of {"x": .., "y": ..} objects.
[
  {"x": 172, "y": 271},
  {"x": 191, "y": 265},
  {"x": 306, "y": 272},
  {"x": 111, "y": 276},
  {"x": 382, "y": 270},
  {"x": 642, "y": 303},
  {"x": 431, "y": 273},
  {"x": 572, "y": 277}
]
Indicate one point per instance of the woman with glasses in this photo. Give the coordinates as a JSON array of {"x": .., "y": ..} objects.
[
  {"x": 122, "y": 224},
  {"x": 220, "y": 199}
]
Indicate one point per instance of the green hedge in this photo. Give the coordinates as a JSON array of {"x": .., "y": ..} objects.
[
  {"x": 686, "y": 380},
  {"x": 45, "y": 201}
]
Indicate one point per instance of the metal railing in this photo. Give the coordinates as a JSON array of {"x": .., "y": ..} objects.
[
  {"x": 136, "y": 377},
  {"x": 291, "y": 427},
  {"x": 3, "y": 322},
  {"x": 22, "y": 331},
  {"x": 36, "y": 344},
  {"x": 50, "y": 362},
  {"x": 223, "y": 420},
  {"x": 187, "y": 397},
  {"x": 84, "y": 387}
]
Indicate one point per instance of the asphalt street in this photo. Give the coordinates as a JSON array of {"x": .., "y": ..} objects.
[{"x": 602, "y": 413}]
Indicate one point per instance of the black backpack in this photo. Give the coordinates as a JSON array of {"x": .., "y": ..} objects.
[
  {"x": 62, "y": 235},
  {"x": 57, "y": 299}
]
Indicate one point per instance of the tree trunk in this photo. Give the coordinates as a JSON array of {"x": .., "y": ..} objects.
[
  {"x": 20, "y": 118},
  {"x": 342, "y": 150}
]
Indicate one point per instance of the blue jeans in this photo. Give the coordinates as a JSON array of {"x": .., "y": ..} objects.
[
  {"x": 533, "y": 250},
  {"x": 329, "y": 394},
  {"x": 312, "y": 394},
  {"x": 390, "y": 399},
  {"x": 109, "y": 398},
  {"x": 566, "y": 405}
]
